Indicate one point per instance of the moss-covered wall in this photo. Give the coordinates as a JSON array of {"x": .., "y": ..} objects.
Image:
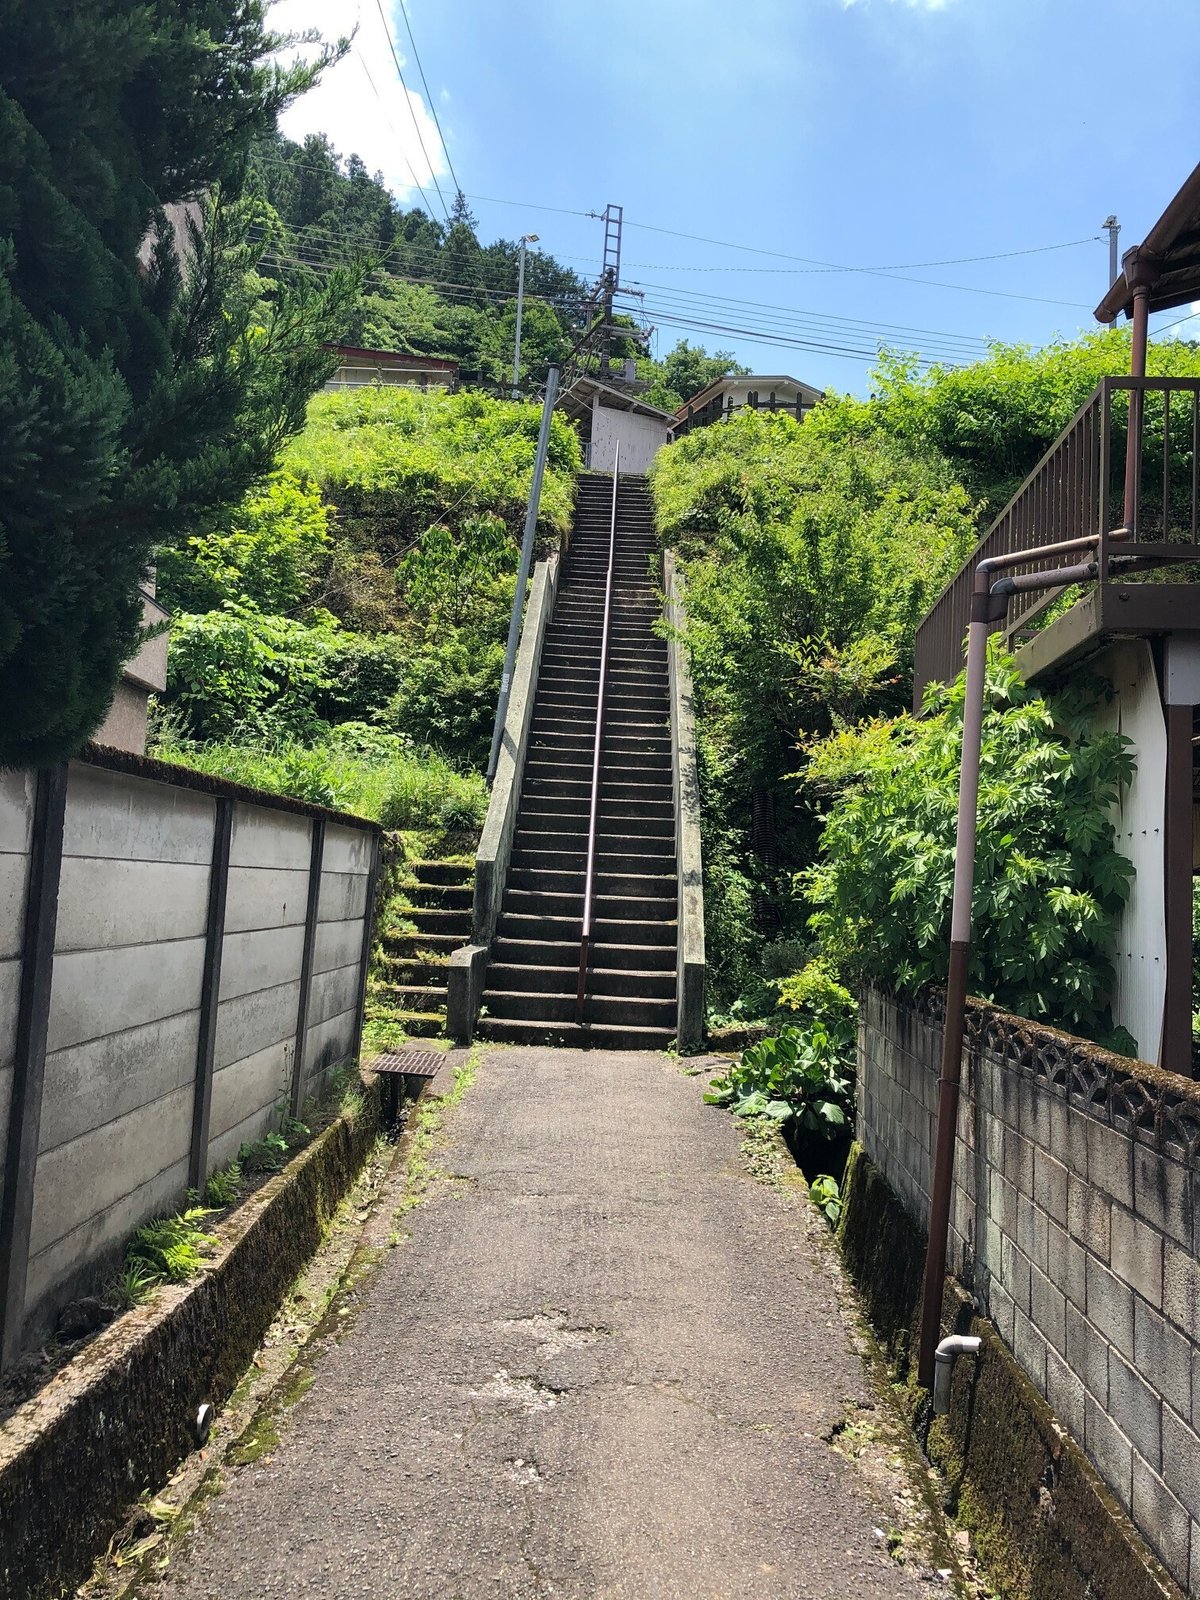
[{"x": 121, "y": 1416}]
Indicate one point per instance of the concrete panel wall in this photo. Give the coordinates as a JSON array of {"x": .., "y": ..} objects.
[
  {"x": 1074, "y": 1221},
  {"x": 124, "y": 1031}
]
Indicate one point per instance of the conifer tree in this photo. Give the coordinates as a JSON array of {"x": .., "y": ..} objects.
[{"x": 136, "y": 394}]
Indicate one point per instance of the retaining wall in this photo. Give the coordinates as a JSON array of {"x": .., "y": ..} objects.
[
  {"x": 1074, "y": 1224},
  {"x": 165, "y": 942}
]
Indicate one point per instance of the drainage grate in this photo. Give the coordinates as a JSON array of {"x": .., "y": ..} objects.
[{"x": 410, "y": 1063}]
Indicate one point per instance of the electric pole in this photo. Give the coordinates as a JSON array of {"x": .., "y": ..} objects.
[
  {"x": 1114, "y": 228},
  {"x": 526, "y": 239}
]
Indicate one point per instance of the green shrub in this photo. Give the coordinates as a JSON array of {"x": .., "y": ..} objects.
[
  {"x": 1049, "y": 882},
  {"x": 804, "y": 1076}
]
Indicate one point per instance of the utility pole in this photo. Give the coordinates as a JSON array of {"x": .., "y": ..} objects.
[
  {"x": 610, "y": 278},
  {"x": 1114, "y": 229},
  {"x": 526, "y": 238}
]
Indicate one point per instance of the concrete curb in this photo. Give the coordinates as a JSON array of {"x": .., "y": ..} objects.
[{"x": 120, "y": 1417}]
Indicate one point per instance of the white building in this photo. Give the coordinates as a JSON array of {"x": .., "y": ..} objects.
[
  {"x": 605, "y": 415},
  {"x": 721, "y": 399}
]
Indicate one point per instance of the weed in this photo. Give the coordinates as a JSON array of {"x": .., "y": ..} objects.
[
  {"x": 131, "y": 1285},
  {"x": 268, "y": 1154},
  {"x": 826, "y": 1195},
  {"x": 223, "y": 1186},
  {"x": 171, "y": 1249}
]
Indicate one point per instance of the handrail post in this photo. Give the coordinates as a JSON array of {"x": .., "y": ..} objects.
[{"x": 585, "y": 935}]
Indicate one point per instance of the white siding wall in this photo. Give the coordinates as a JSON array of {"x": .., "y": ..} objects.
[{"x": 641, "y": 439}]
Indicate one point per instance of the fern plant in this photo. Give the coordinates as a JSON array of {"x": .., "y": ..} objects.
[{"x": 171, "y": 1249}]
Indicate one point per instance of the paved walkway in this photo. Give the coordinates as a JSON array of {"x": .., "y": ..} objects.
[{"x": 602, "y": 1366}]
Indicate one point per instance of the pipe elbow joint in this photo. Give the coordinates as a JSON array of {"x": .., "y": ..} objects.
[{"x": 947, "y": 1352}]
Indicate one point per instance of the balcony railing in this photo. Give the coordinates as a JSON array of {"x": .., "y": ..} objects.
[{"x": 1083, "y": 486}]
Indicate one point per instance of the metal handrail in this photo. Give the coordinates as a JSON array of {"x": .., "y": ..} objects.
[
  {"x": 1090, "y": 482},
  {"x": 585, "y": 936}
]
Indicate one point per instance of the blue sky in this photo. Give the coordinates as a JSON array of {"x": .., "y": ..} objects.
[{"x": 880, "y": 133}]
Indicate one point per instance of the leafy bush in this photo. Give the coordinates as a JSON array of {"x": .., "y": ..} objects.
[
  {"x": 396, "y": 461},
  {"x": 264, "y": 552},
  {"x": 241, "y": 671},
  {"x": 804, "y": 1075},
  {"x": 1049, "y": 882},
  {"x": 268, "y": 1154}
]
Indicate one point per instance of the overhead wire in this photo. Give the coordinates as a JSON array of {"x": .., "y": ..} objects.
[
  {"x": 408, "y": 102},
  {"x": 412, "y": 171},
  {"x": 429, "y": 97}
]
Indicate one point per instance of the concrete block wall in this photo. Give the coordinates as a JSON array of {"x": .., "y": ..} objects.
[
  {"x": 123, "y": 1044},
  {"x": 1074, "y": 1223}
]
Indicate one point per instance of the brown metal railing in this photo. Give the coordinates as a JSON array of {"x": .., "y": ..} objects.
[
  {"x": 589, "y": 882},
  {"x": 1139, "y": 502}
]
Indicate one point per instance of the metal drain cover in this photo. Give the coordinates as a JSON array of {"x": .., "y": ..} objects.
[{"x": 410, "y": 1063}]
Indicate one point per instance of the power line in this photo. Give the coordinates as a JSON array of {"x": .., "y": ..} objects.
[
  {"x": 409, "y": 104},
  {"x": 1175, "y": 324},
  {"x": 412, "y": 171},
  {"x": 816, "y": 265},
  {"x": 429, "y": 97}
]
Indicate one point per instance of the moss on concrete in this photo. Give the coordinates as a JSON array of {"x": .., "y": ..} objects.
[
  {"x": 1044, "y": 1525},
  {"x": 120, "y": 1417}
]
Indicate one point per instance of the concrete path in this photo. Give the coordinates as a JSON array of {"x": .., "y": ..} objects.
[{"x": 602, "y": 1365}]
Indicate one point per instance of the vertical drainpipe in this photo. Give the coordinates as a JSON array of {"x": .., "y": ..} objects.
[
  {"x": 1141, "y": 271},
  {"x": 989, "y": 605}
]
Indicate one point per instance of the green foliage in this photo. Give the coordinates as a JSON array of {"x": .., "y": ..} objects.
[
  {"x": 136, "y": 394},
  {"x": 171, "y": 1249},
  {"x": 263, "y": 552},
  {"x": 354, "y": 768},
  {"x": 993, "y": 420},
  {"x": 826, "y": 1194},
  {"x": 396, "y": 461},
  {"x": 131, "y": 1285},
  {"x": 223, "y": 1186},
  {"x": 1049, "y": 882},
  {"x": 802, "y": 1075},
  {"x": 268, "y": 1154},
  {"x": 240, "y": 672}
]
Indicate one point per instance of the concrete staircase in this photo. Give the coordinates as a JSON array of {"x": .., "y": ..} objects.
[
  {"x": 529, "y": 994},
  {"x": 408, "y": 987}
]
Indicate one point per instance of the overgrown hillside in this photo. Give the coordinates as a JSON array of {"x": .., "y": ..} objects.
[
  {"x": 811, "y": 553},
  {"x": 340, "y": 634}
]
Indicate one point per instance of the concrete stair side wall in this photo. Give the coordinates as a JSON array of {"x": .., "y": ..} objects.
[{"x": 690, "y": 969}]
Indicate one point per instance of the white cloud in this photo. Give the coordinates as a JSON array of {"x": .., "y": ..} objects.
[
  {"x": 910, "y": 5},
  {"x": 359, "y": 104}
]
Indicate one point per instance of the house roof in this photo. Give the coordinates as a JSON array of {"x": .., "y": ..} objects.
[
  {"x": 577, "y": 399},
  {"x": 1168, "y": 258},
  {"x": 766, "y": 381},
  {"x": 391, "y": 358}
]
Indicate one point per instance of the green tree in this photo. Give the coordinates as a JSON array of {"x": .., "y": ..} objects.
[
  {"x": 135, "y": 395},
  {"x": 687, "y": 369},
  {"x": 1049, "y": 883}
]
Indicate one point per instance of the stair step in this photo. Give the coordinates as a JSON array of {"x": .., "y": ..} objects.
[
  {"x": 444, "y": 896},
  {"x": 410, "y": 945},
  {"x": 433, "y": 919},
  {"x": 564, "y": 953},
  {"x": 443, "y": 871},
  {"x": 613, "y": 1010},
  {"x": 511, "y": 1030},
  {"x": 570, "y": 881},
  {"x": 558, "y": 916},
  {"x": 529, "y": 978}
]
